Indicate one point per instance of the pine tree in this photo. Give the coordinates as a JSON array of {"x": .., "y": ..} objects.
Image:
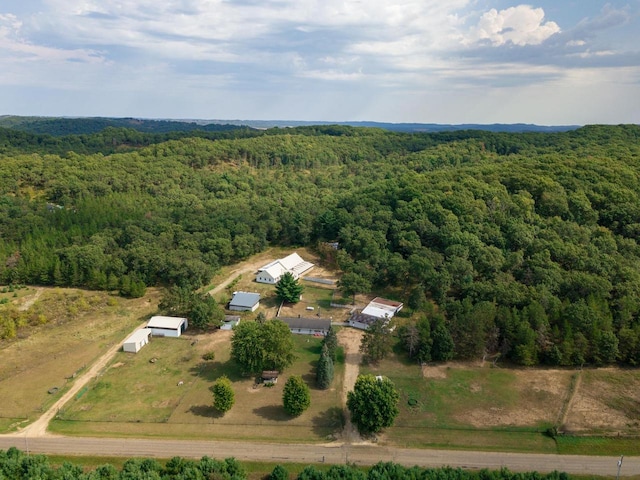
[
  {"x": 288, "y": 289},
  {"x": 324, "y": 372},
  {"x": 331, "y": 341}
]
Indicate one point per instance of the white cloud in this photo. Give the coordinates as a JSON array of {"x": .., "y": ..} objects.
[{"x": 520, "y": 25}]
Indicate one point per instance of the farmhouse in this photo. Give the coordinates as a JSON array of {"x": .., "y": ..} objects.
[
  {"x": 376, "y": 309},
  {"x": 244, "y": 302},
  {"x": 167, "y": 326},
  {"x": 272, "y": 272},
  {"x": 307, "y": 326},
  {"x": 136, "y": 340}
]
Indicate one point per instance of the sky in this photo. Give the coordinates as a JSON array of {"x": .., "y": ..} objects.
[{"x": 548, "y": 62}]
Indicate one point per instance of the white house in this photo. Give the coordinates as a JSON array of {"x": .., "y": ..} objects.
[
  {"x": 136, "y": 340},
  {"x": 307, "y": 326},
  {"x": 244, "y": 302},
  {"x": 162, "y": 326},
  {"x": 272, "y": 272}
]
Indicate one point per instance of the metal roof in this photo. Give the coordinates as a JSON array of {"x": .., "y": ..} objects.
[
  {"x": 160, "y": 321},
  {"x": 244, "y": 299}
]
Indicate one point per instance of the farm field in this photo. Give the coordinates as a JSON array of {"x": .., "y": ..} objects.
[
  {"x": 138, "y": 396},
  {"x": 75, "y": 327}
]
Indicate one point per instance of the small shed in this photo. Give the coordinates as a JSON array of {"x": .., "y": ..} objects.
[
  {"x": 136, "y": 340},
  {"x": 308, "y": 325},
  {"x": 162, "y": 326},
  {"x": 244, "y": 302},
  {"x": 270, "y": 376},
  {"x": 361, "y": 320},
  {"x": 230, "y": 321}
]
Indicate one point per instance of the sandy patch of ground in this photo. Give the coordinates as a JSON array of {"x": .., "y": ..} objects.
[{"x": 350, "y": 340}]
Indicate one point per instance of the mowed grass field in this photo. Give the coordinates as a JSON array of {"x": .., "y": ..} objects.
[
  {"x": 136, "y": 396},
  {"x": 77, "y": 327}
]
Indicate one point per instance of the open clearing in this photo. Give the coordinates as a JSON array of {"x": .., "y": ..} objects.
[
  {"x": 457, "y": 405},
  {"x": 79, "y": 327},
  {"x": 171, "y": 396}
]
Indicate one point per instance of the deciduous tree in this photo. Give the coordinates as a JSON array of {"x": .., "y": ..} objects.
[
  {"x": 373, "y": 403},
  {"x": 223, "y": 395},
  {"x": 296, "y": 397}
]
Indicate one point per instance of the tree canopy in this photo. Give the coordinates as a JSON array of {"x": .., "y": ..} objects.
[
  {"x": 262, "y": 346},
  {"x": 373, "y": 403},
  {"x": 526, "y": 243}
]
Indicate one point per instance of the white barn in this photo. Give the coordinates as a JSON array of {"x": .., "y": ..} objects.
[
  {"x": 244, "y": 302},
  {"x": 273, "y": 272},
  {"x": 136, "y": 340},
  {"x": 162, "y": 326}
]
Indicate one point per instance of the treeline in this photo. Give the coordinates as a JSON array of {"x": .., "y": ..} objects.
[
  {"x": 16, "y": 465},
  {"x": 521, "y": 245}
]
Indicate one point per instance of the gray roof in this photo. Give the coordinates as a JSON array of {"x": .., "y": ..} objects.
[
  {"x": 244, "y": 299},
  {"x": 312, "y": 323}
]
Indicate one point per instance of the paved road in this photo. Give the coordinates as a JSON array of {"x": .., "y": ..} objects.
[{"x": 358, "y": 454}]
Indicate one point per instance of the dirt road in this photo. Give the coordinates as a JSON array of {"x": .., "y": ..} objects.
[{"x": 350, "y": 340}]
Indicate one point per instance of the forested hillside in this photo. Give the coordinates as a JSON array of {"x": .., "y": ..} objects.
[{"x": 527, "y": 244}]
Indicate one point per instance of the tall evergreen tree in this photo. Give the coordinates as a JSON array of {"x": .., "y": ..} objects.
[
  {"x": 288, "y": 289},
  {"x": 324, "y": 371}
]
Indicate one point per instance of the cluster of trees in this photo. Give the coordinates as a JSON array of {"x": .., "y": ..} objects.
[
  {"x": 527, "y": 244},
  {"x": 16, "y": 465},
  {"x": 259, "y": 346}
]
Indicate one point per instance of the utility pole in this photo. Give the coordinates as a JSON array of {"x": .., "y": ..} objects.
[{"x": 619, "y": 466}]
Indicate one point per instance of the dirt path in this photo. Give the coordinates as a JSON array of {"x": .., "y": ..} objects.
[
  {"x": 250, "y": 266},
  {"x": 39, "y": 427},
  {"x": 29, "y": 302},
  {"x": 350, "y": 339},
  {"x": 569, "y": 403}
]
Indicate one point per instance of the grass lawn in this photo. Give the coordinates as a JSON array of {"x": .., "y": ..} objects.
[
  {"x": 79, "y": 327},
  {"x": 137, "y": 397}
]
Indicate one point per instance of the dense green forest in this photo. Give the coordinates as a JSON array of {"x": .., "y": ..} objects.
[
  {"x": 523, "y": 244},
  {"x": 16, "y": 465}
]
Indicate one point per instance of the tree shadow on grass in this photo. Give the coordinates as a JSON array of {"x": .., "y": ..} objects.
[
  {"x": 206, "y": 411},
  {"x": 211, "y": 371},
  {"x": 272, "y": 412},
  {"x": 331, "y": 420}
]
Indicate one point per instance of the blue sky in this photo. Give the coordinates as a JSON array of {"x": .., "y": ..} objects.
[{"x": 548, "y": 62}]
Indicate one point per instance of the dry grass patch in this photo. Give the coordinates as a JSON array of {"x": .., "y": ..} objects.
[
  {"x": 606, "y": 400},
  {"x": 80, "y": 327}
]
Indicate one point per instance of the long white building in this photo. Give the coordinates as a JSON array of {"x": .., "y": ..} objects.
[{"x": 273, "y": 272}]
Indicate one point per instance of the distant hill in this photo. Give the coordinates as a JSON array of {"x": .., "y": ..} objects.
[
  {"x": 60, "y": 126},
  {"x": 87, "y": 125},
  {"x": 409, "y": 127}
]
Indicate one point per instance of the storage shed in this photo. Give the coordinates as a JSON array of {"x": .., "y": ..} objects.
[
  {"x": 162, "y": 326},
  {"x": 244, "y": 302},
  {"x": 136, "y": 340}
]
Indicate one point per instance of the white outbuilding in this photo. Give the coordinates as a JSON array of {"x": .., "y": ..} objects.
[
  {"x": 244, "y": 302},
  {"x": 273, "y": 272},
  {"x": 136, "y": 340},
  {"x": 162, "y": 326}
]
